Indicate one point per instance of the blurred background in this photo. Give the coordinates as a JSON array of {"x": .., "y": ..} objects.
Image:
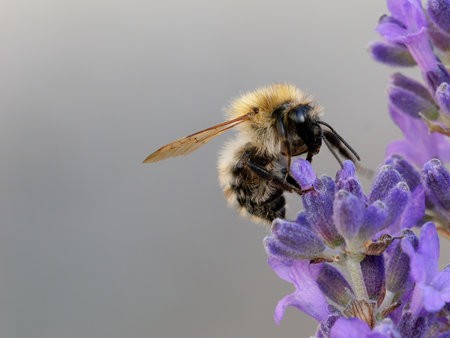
[{"x": 95, "y": 244}]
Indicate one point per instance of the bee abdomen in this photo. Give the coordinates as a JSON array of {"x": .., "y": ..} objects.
[
  {"x": 266, "y": 207},
  {"x": 254, "y": 194}
]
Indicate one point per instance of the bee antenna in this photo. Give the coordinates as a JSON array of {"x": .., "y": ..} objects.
[{"x": 340, "y": 139}]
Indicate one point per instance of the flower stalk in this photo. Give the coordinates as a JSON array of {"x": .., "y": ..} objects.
[{"x": 353, "y": 265}]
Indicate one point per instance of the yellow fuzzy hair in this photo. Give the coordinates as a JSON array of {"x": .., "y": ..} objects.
[{"x": 267, "y": 99}]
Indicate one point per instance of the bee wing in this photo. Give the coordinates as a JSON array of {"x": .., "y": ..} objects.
[{"x": 188, "y": 144}]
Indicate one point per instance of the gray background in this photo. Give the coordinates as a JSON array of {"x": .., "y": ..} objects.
[{"x": 95, "y": 244}]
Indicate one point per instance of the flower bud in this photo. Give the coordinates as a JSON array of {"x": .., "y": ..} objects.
[
  {"x": 437, "y": 181},
  {"x": 391, "y": 54},
  {"x": 334, "y": 285},
  {"x": 443, "y": 97},
  {"x": 348, "y": 213},
  {"x": 439, "y": 13},
  {"x": 372, "y": 268},
  {"x": 410, "y": 103}
]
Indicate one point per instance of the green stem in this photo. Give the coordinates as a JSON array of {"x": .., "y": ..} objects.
[{"x": 353, "y": 266}]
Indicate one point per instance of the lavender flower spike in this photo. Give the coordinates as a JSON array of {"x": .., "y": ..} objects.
[
  {"x": 356, "y": 266},
  {"x": 355, "y": 285},
  {"x": 409, "y": 27}
]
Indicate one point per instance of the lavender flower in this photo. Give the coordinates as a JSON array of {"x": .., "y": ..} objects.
[
  {"x": 355, "y": 266},
  {"x": 410, "y": 37},
  {"x": 432, "y": 288},
  {"x": 434, "y": 183},
  {"x": 436, "y": 180}
]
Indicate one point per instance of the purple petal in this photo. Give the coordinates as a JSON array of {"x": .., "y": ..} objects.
[
  {"x": 438, "y": 291},
  {"x": 410, "y": 103},
  {"x": 307, "y": 297},
  {"x": 348, "y": 170},
  {"x": 385, "y": 180},
  {"x": 353, "y": 186},
  {"x": 395, "y": 7},
  {"x": 392, "y": 32},
  {"x": 436, "y": 73},
  {"x": 373, "y": 271},
  {"x": 411, "y": 325},
  {"x": 407, "y": 19},
  {"x": 334, "y": 285},
  {"x": 303, "y": 173},
  {"x": 439, "y": 12},
  {"x": 419, "y": 145},
  {"x": 439, "y": 38},
  {"x": 415, "y": 209},
  {"x": 409, "y": 12},
  {"x": 318, "y": 206},
  {"x": 442, "y": 283},
  {"x": 405, "y": 82},
  {"x": 406, "y": 169},
  {"x": 391, "y": 55},
  {"x": 282, "y": 268},
  {"x": 298, "y": 237},
  {"x": 387, "y": 329},
  {"x": 346, "y": 179},
  {"x": 396, "y": 202},
  {"x": 374, "y": 218},
  {"x": 432, "y": 300},
  {"x": 350, "y": 328},
  {"x": 424, "y": 262},
  {"x": 429, "y": 249},
  {"x": 398, "y": 266},
  {"x": 437, "y": 182},
  {"x": 406, "y": 149},
  {"x": 287, "y": 253},
  {"x": 414, "y": 15},
  {"x": 443, "y": 97},
  {"x": 348, "y": 214}
]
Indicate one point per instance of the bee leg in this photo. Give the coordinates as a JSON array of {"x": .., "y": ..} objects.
[
  {"x": 285, "y": 184},
  {"x": 281, "y": 123},
  {"x": 332, "y": 142}
]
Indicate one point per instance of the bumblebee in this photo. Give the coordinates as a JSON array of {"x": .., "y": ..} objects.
[{"x": 274, "y": 124}]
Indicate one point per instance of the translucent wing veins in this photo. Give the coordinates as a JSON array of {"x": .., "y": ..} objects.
[{"x": 190, "y": 143}]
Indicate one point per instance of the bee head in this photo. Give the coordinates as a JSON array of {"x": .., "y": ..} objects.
[
  {"x": 298, "y": 129},
  {"x": 306, "y": 126}
]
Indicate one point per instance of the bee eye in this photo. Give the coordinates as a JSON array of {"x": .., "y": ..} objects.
[{"x": 299, "y": 114}]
